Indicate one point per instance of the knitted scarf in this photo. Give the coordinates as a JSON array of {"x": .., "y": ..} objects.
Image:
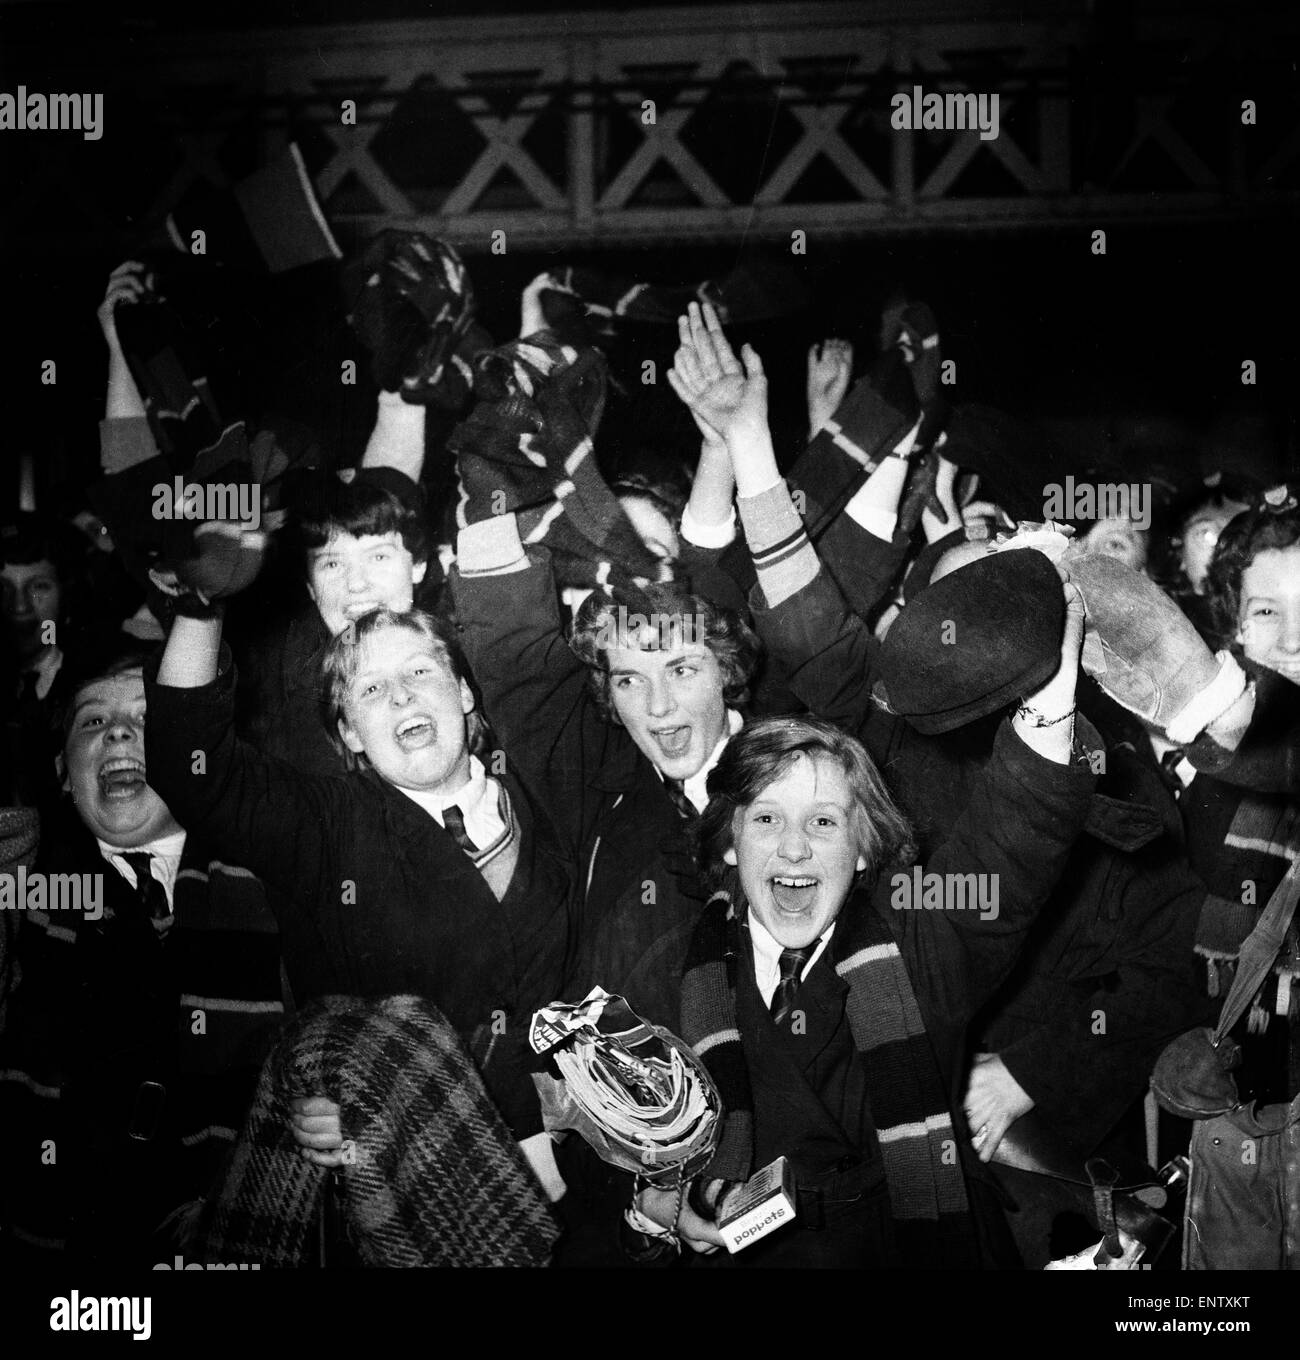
[
  {"x": 527, "y": 447},
  {"x": 437, "y": 1179},
  {"x": 909, "y": 1103},
  {"x": 1243, "y": 835},
  {"x": 411, "y": 303}
]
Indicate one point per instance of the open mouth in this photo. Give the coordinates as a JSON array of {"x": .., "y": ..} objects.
[
  {"x": 793, "y": 893},
  {"x": 415, "y": 732},
  {"x": 121, "y": 779},
  {"x": 674, "y": 742}
]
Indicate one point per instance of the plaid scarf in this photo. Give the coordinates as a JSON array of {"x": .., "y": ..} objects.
[
  {"x": 909, "y": 1103},
  {"x": 527, "y": 448},
  {"x": 437, "y": 1180}
]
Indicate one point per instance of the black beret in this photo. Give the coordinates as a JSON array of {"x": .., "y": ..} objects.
[
  {"x": 918, "y": 576},
  {"x": 971, "y": 643}
]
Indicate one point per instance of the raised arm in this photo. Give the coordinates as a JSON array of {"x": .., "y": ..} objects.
[
  {"x": 128, "y": 284},
  {"x": 534, "y": 688},
  {"x": 397, "y": 439},
  {"x": 1005, "y": 852},
  {"x": 824, "y": 653},
  {"x": 262, "y": 814}
]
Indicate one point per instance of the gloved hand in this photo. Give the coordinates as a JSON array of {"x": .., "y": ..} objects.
[{"x": 1139, "y": 646}]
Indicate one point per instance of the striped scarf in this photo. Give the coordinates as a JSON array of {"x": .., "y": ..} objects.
[
  {"x": 527, "y": 447},
  {"x": 909, "y": 1103}
]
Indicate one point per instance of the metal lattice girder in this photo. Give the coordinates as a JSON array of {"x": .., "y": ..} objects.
[{"x": 535, "y": 125}]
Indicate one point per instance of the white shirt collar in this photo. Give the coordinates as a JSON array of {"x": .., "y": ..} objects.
[
  {"x": 767, "y": 956},
  {"x": 696, "y": 788},
  {"x": 165, "y": 865},
  {"x": 479, "y": 801}
]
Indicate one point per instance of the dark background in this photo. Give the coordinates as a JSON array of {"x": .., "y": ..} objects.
[{"x": 1144, "y": 344}]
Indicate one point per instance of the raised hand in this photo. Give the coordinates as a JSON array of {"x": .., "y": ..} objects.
[
  {"x": 129, "y": 282},
  {"x": 727, "y": 400},
  {"x": 830, "y": 367}
]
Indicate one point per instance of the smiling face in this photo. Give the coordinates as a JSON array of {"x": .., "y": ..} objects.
[
  {"x": 797, "y": 849},
  {"x": 671, "y": 702},
  {"x": 351, "y": 576},
  {"x": 104, "y": 756},
  {"x": 405, "y": 709},
  {"x": 1269, "y": 631}
]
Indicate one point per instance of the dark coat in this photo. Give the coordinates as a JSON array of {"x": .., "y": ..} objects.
[
  {"x": 282, "y": 701},
  {"x": 375, "y": 898},
  {"x": 1115, "y": 939},
  {"x": 104, "y": 1006},
  {"x": 810, "y": 1101},
  {"x": 638, "y": 893}
]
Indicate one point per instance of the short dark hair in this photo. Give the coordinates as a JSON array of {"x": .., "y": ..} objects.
[
  {"x": 106, "y": 665},
  {"x": 1245, "y": 536},
  {"x": 760, "y": 753},
  {"x": 342, "y": 658},
  {"x": 365, "y": 505},
  {"x": 32, "y": 538},
  {"x": 731, "y": 640}
]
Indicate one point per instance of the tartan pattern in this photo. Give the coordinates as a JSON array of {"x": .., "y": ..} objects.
[
  {"x": 527, "y": 448},
  {"x": 908, "y": 1099},
  {"x": 437, "y": 1180}
]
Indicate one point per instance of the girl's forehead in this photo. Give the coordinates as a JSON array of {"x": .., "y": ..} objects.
[
  {"x": 1272, "y": 566},
  {"x": 341, "y": 538},
  {"x": 127, "y": 688},
  {"x": 397, "y": 646},
  {"x": 809, "y": 775}
]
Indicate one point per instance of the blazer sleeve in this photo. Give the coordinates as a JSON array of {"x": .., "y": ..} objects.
[
  {"x": 263, "y": 814},
  {"x": 534, "y": 688},
  {"x": 827, "y": 657},
  {"x": 1006, "y": 851}
]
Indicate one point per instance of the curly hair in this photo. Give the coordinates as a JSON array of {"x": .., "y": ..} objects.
[
  {"x": 343, "y": 658},
  {"x": 759, "y": 754},
  {"x": 659, "y": 616},
  {"x": 1257, "y": 530}
]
